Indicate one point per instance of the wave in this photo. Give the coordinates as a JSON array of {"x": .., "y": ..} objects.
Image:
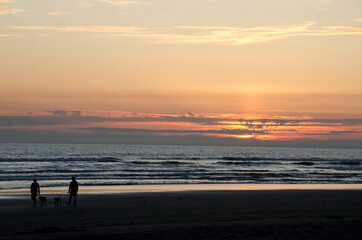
[
  {"x": 305, "y": 163},
  {"x": 235, "y": 163},
  {"x": 256, "y": 159},
  {"x": 171, "y": 158},
  {"x": 109, "y": 159},
  {"x": 351, "y": 163},
  {"x": 72, "y": 159},
  {"x": 160, "y": 162},
  {"x": 241, "y": 158}
]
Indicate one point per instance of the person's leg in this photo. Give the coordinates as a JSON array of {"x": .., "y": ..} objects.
[
  {"x": 70, "y": 199},
  {"x": 75, "y": 199},
  {"x": 33, "y": 197}
]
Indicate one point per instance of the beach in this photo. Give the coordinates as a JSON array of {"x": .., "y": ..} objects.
[{"x": 209, "y": 214}]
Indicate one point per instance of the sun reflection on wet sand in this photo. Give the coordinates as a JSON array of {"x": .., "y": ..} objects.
[{"x": 184, "y": 187}]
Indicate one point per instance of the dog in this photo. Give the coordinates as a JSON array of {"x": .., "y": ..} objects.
[
  {"x": 43, "y": 201},
  {"x": 57, "y": 201}
]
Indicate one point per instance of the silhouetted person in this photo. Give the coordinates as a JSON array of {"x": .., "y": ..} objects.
[
  {"x": 34, "y": 190},
  {"x": 73, "y": 190}
]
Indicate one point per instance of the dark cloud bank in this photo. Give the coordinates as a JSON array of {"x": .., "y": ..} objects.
[
  {"x": 75, "y": 117},
  {"x": 33, "y": 136},
  {"x": 10, "y": 133}
]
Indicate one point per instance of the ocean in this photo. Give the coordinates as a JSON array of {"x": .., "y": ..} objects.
[{"x": 96, "y": 165}]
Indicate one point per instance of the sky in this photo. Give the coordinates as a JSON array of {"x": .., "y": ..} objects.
[{"x": 190, "y": 72}]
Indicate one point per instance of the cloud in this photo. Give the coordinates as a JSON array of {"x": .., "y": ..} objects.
[
  {"x": 320, "y": 9},
  {"x": 82, "y": 5},
  {"x": 33, "y": 136},
  {"x": 345, "y": 132},
  {"x": 85, "y": 28},
  {"x": 5, "y": 10},
  {"x": 334, "y": 133},
  {"x": 188, "y": 128},
  {"x": 64, "y": 113},
  {"x": 310, "y": 1},
  {"x": 208, "y": 34},
  {"x": 267, "y": 123},
  {"x": 236, "y": 35},
  {"x": 123, "y": 3},
  {"x": 239, "y": 36},
  {"x": 152, "y": 131},
  {"x": 230, "y": 125},
  {"x": 7, "y": 35},
  {"x": 30, "y": 121},
  {"x": 59, "y": 13},
  {"x": 75, "y": 117},
  {"x": 41, "y": 136}
]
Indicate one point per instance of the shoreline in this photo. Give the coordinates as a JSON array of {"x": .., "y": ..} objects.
[{"x": 118, "y": 189}]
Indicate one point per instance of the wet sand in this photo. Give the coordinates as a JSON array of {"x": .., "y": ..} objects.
[{"x": 262, "y": 214}]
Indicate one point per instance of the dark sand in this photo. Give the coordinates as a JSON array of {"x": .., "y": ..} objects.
[{"x": 274, "y": 214}]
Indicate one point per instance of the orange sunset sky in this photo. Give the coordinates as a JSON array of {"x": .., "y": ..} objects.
[{"x": 195, "y": 72}]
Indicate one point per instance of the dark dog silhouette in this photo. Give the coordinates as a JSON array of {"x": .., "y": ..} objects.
[
  {"x": 43, "y": 201},
  {"x": 57, "y": 201}
]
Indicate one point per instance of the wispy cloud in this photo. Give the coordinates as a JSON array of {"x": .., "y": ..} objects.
[
  {"x": 320, "y": 9},
  {"x": 236, "y": 35},
  {"x": 4, "y": 10},
  {"x": 189, "y": 118},
  {"x": 310, "y": 1},
  {"x": 123, "y": 3},
  {"x": 209, "y": 34},
  {"x": 64, "y": 113},
  {"x": 59, "y": 13},
  {"x": 153, "y": 131},
  {"x": 82, "y": 4},
  {"x": 86, "y": 28},
  {"x": 8, "y": 35}
]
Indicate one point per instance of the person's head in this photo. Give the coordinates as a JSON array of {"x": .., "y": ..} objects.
[
  {"x": 73, "y": 178},
  {"x": 34, "y": 180}
]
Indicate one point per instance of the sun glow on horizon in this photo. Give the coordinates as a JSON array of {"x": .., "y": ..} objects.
[{"x": 245, "y": 136}]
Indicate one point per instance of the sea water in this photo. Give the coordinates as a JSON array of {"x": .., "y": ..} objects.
[{"x": 94, "y": 165}]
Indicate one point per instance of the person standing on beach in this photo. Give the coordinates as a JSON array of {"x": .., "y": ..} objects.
[
  {"x": 73, "y": 191},
  {"x": 34, "y": 190}
]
